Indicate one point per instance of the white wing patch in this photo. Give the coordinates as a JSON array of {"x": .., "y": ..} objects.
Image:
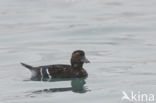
[{"x": 48, "y": 73}]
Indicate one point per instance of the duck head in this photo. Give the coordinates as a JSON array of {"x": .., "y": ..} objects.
[{"x": 78, "y": 59}]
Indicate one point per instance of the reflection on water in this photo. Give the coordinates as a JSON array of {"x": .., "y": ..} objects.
[{"x": 77, "y": 86}]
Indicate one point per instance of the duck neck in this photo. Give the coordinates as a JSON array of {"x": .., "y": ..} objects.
[{"x": 77, "y": 65}]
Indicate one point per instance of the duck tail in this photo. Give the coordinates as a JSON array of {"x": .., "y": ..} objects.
[{"x": 27, "y": 66}]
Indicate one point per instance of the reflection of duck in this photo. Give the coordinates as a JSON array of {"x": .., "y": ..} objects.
[
  {"x": 77, "y": 86},
  {"x": 75, "y": 70}
]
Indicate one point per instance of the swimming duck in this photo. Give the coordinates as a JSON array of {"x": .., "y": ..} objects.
[{"x": 75, "y": 70}]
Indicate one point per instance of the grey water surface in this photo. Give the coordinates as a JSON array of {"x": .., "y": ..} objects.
[{"x": 118, "y": 36}]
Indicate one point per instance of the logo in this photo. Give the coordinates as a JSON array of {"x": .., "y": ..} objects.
[{"x": 137, "y": 97}]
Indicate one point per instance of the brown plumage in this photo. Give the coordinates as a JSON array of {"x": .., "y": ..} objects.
[{"x": 75, "y": 70}]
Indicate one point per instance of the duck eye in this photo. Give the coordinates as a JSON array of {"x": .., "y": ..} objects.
[{"x": 81, "y": 54}]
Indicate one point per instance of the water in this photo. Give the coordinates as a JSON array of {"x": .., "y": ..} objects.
[{"x": 118, "y": 36}]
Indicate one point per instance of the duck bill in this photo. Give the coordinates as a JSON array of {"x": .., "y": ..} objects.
[{"x": 85, "y": 60}]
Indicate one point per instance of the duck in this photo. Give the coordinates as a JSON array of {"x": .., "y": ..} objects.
[{"x": 74, "y": 70}]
